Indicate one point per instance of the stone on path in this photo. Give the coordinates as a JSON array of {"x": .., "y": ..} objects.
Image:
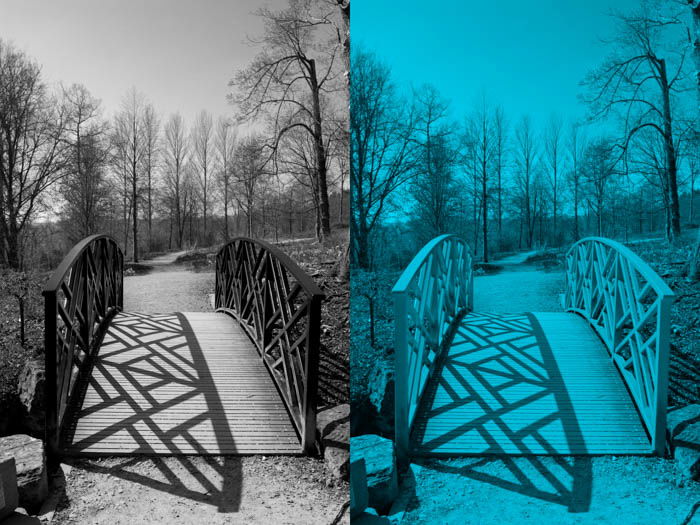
[
  {"x": 380, "y": 466},
  {"x": 9, "y": 498},
  {"x": 684, "y": 430},
  {"x": 31, "y": 395},
  {"x": 30, "y": 462},
  {"x": 381, "y": 396},
  {"x": 359, "y": 496},
  {"x": 333, "y": 425},
  {"x": 678, "y": 419}
]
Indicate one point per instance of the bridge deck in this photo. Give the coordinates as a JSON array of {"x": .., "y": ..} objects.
[
  {"x": 527, "y": 384},
  {"x": 186, "y": 383}
]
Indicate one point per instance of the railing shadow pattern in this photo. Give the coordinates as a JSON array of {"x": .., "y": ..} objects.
[
  {"x": 499, "y": 391},
  {"x": 154, "y": 391}
]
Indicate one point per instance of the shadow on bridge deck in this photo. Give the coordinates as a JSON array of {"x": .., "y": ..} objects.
[
  {"x": 176, "y": 385},
  {"x": 526, "y": 385}
]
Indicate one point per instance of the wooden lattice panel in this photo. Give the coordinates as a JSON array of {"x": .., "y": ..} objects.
[
  {"x": 432, "y": 293},
  {"x": 80, "y": 298},
  {"x": 278, "y": 305},
  {"x": 628, "y": 305}
]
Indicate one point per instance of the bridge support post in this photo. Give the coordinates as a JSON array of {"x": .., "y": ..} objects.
[
  {"x": 662, "y": 355},
  {"x": 401, "y": 408},
  {"x": 51, "y": 381},
  {"x": 313, "y": 341}
]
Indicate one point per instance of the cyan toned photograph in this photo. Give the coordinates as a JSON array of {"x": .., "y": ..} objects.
[{"x": 525, "y": 262}]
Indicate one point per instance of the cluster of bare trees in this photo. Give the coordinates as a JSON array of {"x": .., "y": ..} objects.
[
  {"x": 626, "y": 169},
  {"x": 296, "y": 86},
  {"x": 155, "y": 183}
]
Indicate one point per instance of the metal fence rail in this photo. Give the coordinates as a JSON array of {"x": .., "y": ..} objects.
[
  {"x": 279, "y": 306},
  {"x": 80, "y": 298},
  {"x": 629, "y": 307},
  {"x": 433, "y": 292}
]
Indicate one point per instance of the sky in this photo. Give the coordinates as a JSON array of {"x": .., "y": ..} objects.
[
  {"x": 528, "y": 56},
  {"x": 179, "y": 53}
]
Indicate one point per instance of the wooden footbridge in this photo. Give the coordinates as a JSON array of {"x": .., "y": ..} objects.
[
  {"x": 241, "y": 380},
  {"x": 591, "y": 379}
]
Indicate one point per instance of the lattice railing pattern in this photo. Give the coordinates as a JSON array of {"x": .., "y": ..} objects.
[
  {"x": 279, "y": 306},
  {"x": 629, "y": 305},
  {"x": 432, "y": 294},
  {"x": 80, "y": 298}
]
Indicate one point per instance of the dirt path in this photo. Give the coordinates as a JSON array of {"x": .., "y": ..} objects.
[
  {"x": 164, "y": 260},
  {"x": 631, "y": 490},
  {"x": 194, "y": 490}
]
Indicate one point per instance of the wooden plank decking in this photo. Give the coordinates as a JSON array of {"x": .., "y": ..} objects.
[
  {"x": 527, "y": 384},
  {"x": 186, "y": 383}
]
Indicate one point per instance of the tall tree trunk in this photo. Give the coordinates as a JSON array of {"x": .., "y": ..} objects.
[
  {"x": 671, "y": 166},
  {"x": 694, "y": 266},
  {"x": 321, "y": 167},
  {"x": 484, "y": 211}
]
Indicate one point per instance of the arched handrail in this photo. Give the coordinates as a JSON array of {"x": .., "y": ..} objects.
[
  {"x": 279, "y": 306},
  {"x": 629, "y": 306},
  {"x": 434, "y": 291},
  {"x": 80, "y": 298}
]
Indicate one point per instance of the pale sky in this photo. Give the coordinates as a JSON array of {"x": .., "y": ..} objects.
[{"x": 179, "y": 53}]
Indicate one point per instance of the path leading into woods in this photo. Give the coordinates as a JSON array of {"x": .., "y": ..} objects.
[
  {"x": 591, "y": 490},
  {"x": 193, "y": 489}
]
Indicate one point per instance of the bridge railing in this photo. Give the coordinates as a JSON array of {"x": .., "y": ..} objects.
[
  {"x": 433, "y": 292},
  {"x": 279, "y": 306},
  {"x": 80, "y": 298},
  {"x": 629, "y": 306}
]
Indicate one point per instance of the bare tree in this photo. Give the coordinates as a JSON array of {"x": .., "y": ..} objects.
[
  {"x": 289, "y": 78},
  {"x": 600, "y": 166},
  {"x": 249, "y": 167},
  {"x": 576, "y": 146},
  {"x": 501, "y": 137},
  {"x": 129, "y": 138},
  {"x": 639, "y": 80},
  {"x": 553, "y": 137},
  {"x": 225, "y": 147},
  {"x": 32, "y": 147},
  {"x": 482, "y": 136},
  {"x": 151, "y": 139},
  {"x": 694, "y": 267},
  {"x": 202, "y": 145},
  {"x": 435, "y": 188},
  {"x": 526, "y": 159},
  {"x": 175, "y": 156},
  {"x": 83, "y": 187},
  {"x": 382, "y": 149}
]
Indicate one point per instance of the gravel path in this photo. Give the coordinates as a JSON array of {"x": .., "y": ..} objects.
[
  {"x": 629, "y": 490},
  {"x": 171, "y": 290},
  {"x": 514, "y": 292}
]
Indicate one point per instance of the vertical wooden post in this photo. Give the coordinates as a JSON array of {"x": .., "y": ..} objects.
[
  {"x": 401, "y": 408},
  {"x": 658, "y": 438},
  {"x": 313, "y": 341},
  {"x": 51, "y": 381},
  {"x": 85, "y": 303},
  {"x": 617, "y": 306},
  {"x": 267, "y": 304},
  {"x": 470, "y": 288}
]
